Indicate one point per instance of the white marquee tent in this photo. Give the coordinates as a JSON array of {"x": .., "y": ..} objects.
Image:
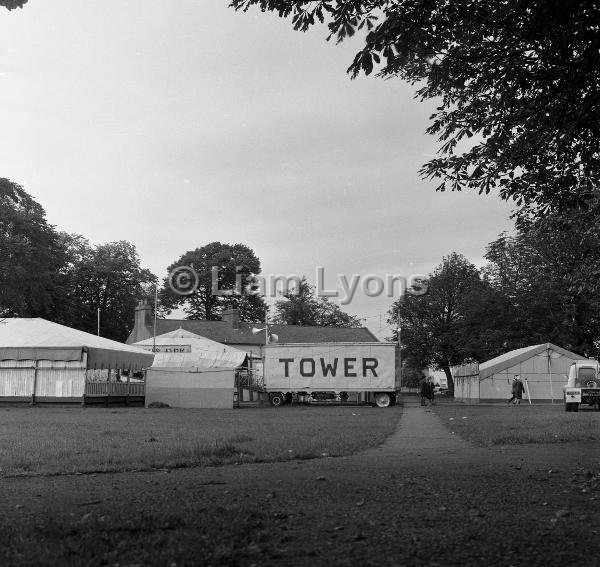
[
  {"x": 543, "y": 369},
  {"x": 49, "y": 362}
]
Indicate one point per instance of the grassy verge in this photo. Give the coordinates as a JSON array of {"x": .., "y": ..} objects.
[
  {"x": 515, "y": 425},
  {"x": 54, "y": 440}
]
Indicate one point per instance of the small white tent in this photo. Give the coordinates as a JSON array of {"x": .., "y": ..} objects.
[
  {"x": 543, "y": 369},
  {"x": 191, "y": 371},
  {"x": 181, "y": 345},
  {"x": 45, "y": 361}
]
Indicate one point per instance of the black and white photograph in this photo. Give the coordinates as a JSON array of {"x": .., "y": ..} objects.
[{"x": 299, "y": 283}]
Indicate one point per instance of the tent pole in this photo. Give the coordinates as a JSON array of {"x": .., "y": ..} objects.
[
  {"x": 155, "y": 308},
  {"x": 267, "y": 326},
  {"x": 550, "y": 373},
  {"x": 399, "y": 331},
  {"x": 527, "y": 387},
  {"x": 35, "y": 372}
]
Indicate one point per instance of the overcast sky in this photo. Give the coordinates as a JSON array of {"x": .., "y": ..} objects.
[{"x": 172, "y": 124}]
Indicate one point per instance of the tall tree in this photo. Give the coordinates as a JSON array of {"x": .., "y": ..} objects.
[
  {"x": 61, "y": 277},
  {"x": 107, "y": 277},
  {"x": 550, "y": 273},
  {"x": 206, "y": 295},
  {"x": 451, "y": 324},
  {"x": 301, "y": 306},
  {"x": 517, "y": 84},
  {"x": 30, "y": 255}
]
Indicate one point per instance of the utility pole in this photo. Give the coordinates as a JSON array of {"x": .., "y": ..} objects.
[
  {"x": 98, "y": 314},
  {"x": 155, "y": 309},
  {"x": 267, "y": 326},
  {"x": 398, "y": 333}
]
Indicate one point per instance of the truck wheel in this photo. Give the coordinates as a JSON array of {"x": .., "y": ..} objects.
[
  {"x": 382, "y": 400},
  {"x": 574, "y": 407},
  {"x": 277, "y": 400}
]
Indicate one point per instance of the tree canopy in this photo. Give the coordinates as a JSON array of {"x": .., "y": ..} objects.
[
  {"x": 108, "y": 277},
  {"x": 301, "y": 306},
  {"x": 30, "y": 255},
  {"x": 12, "y": 4},
  {"x": 236, "y": 266},
  {"x": 550, "y": 275},
  {"x": 460, "y": 318},
  {"x": 61, "y": 277},
  {"x": 517, "y": 84}
]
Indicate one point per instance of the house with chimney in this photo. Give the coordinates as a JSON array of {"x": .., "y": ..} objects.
[{"x": 233, "y": 332}]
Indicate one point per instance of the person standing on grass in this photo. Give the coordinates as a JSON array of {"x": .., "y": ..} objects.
[
  {"x": 431, "y": 391},
  {"x": 425, "y": 395},
  {"x": 517, "y": 390}
]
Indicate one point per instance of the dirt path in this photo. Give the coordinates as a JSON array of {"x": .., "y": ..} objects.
[
  {"x": 420, "y": 431},
  {"x": 425, "y": 497}
]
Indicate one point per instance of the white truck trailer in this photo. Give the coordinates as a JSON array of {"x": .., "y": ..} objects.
[{"x": 331, "y": 372}]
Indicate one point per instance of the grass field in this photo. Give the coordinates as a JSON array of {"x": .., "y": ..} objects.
[
  {"x": 58, "y": 440},
  {"x": 488, "y": 425}
]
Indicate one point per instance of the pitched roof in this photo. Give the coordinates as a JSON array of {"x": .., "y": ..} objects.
[
  {"x": 297, "y": 334},
  {"x": 509, "y": 357},
  {"x": 224, "y": 332},
  {"x": 513, "y": 357},
  {"x": 176, "y": 334}
]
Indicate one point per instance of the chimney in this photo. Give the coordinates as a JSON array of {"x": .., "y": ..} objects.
[
  {"x": 232, "y": 317},
  {"x": 143, "y": 316}
]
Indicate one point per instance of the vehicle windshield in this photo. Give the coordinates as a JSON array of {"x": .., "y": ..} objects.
[{"x": 586, "y": 373}]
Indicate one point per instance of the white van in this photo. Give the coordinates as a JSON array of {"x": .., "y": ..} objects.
[{"x": 583, "y": 386}]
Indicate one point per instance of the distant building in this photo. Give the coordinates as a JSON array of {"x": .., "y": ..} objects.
[
  {"x": 439, "y": 377},
  {"x": 233, "y": 332}
]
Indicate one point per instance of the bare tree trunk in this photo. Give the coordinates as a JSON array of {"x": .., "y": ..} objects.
[{"x": 448, "y": 373}]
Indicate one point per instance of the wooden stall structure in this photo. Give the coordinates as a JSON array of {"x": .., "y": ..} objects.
[{"x": 250, "y": 388}]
